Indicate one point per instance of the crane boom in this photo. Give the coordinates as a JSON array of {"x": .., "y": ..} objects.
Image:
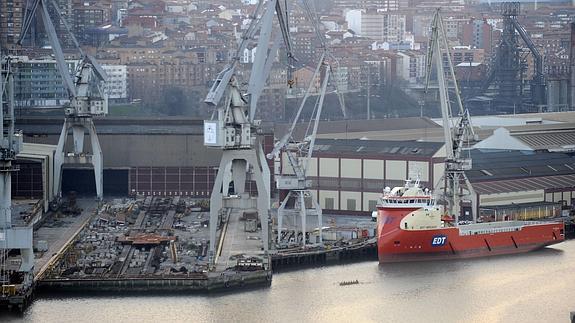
[
  {"x": 313, "y": 135},
  {"x": 40, "y": 7},
  {"x": 82, "y": 100},
  {"x": 86, "y": 94},
  {"x": 456, "y": 184},
  {"x": 233, "y": 128},
  {"x": 263, "y": 25}
]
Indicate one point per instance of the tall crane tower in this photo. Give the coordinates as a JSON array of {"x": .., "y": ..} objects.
[
  {"x": 233, "y": 127},
  {"x": 11, "y": 236},
  {"x": 299, "y": 200},
  {"x": 87, "y": 99},
  {"x": 456, "y": 185}
]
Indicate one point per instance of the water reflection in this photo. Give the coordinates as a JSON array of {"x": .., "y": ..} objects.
[{"x": 534, "y": 287}]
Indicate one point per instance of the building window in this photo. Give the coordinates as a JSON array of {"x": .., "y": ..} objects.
[
  {"x": 372, "y": 205},
  {"x": 351, "y": 204},
  {"x": 329, "y": 203}
]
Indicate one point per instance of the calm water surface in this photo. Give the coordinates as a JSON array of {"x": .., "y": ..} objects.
[{"x": 535, "y": 287}]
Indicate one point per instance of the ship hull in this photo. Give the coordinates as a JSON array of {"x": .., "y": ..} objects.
[{"x": 398, "y": 245}]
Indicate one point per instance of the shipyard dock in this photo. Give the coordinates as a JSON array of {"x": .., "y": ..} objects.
[{"x": 161, "y": 244}]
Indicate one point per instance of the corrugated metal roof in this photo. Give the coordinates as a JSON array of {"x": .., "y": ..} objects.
[
  {"x": 548, "y": 140},
  {"x": 525, "y": 184},
  {"x": 376, "y": 147},
  {"x": 500, "y": 165}
]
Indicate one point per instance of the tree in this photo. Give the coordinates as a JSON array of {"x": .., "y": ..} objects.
[{"x": 173, "y": 102}]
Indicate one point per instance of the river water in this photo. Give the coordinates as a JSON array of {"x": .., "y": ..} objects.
[{"x": 534, "y": 287}]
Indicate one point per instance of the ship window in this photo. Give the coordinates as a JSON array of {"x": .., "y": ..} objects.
[
  {"x": 397, "y": 243},
  {"x": 411, "y": 201}
]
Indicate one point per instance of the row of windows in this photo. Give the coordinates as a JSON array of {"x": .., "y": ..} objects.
[
  {"x": 406, "y": 201},
  {"x": 351, "y": 204}
]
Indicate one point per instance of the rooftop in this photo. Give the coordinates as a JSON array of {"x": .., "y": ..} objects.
[
  {"x": 342, "y": 128},
  {"x": 376, "y": 147},
  {"x": 523, "y": 184},
  {"x": 510, "y": 165}
]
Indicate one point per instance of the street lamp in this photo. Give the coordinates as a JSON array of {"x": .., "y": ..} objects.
[
  {"x": 368, "y": 96},
  {"x": 421, "y": 102}
]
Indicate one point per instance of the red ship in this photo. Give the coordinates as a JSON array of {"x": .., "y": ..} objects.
[{"x": 411, "y": 227}]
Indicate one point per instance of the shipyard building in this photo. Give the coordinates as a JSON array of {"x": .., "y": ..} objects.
[{"x": 521, "y": 159}]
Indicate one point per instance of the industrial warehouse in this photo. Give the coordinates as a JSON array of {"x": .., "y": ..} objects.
[{"x": 348, "y": 175}]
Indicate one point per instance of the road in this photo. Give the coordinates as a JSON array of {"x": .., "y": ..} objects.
[{"x": 58, "y": 231}]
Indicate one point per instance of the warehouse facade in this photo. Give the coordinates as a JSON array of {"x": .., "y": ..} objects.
[{"x": 348, "y": 176}]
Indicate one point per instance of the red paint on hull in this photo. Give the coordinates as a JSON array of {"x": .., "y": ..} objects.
[{"x": 397, "y": 245}]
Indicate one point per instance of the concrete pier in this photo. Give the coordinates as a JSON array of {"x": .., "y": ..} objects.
[{"x": 60, "y": 235}]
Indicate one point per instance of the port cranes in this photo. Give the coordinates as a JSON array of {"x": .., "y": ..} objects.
[
  {"x": 87, "y": 99},
  {"x": 233, "y": 127},
  {"x": 11, "y": 236},
  {"x": 456, "y": 184},
  {"x": 299, "y": 200}
]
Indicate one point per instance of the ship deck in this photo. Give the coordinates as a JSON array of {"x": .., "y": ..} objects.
[{"x": 495, "y": 227}]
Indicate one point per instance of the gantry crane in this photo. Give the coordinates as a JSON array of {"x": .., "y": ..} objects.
[
  {"x": 299, "y": 200},
  {"x": 233, "y": 127},
  {"x": 87, "y": 99},
  {"x": 11, "y": 237},
  {"x": 456, "y": 185}
]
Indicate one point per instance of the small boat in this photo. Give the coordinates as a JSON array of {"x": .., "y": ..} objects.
[{"x": 351, "y": 282}]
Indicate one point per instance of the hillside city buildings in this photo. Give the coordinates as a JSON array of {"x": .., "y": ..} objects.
[{"x": 155, "y": 49}]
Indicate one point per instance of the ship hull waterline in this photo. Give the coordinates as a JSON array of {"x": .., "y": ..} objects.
[{"x": 399, "y": 245}]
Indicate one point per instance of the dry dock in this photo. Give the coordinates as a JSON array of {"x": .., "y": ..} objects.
[
  {"x": 160, "y": 244},
  {"x": 152, "y": 244}
]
